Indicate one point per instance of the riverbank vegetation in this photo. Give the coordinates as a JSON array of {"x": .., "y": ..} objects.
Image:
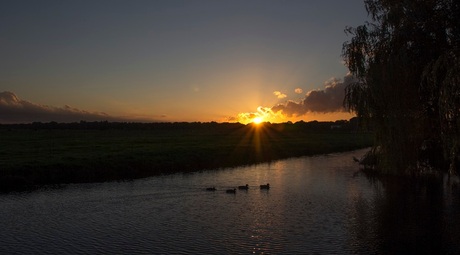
[
  {"x": 54, "y": 153},
  {"x": 406, "y": 62}
]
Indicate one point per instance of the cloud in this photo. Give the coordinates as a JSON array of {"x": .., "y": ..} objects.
[
  {"x": 279, "y": 94},
  {"x": 327, "y": 100},
  {"x": 264, "y": 113},
  {"x": 15, "y": 110},
  {"x": 298, "y": 91}
]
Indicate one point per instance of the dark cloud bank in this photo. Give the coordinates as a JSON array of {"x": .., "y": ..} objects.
[
  {"x": 327, "y": 100},
  {"x": 16, "y": 110}
]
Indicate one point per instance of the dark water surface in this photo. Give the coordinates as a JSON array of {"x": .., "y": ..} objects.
[{"x": 316, "y": 205}]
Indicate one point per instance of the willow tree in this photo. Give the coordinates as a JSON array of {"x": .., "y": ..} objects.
[{"x": 406, "y": 61}]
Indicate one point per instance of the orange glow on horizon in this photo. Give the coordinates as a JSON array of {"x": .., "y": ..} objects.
[
  {"x": 265, "y": 114},
  {"x": 257, "y": 120}
]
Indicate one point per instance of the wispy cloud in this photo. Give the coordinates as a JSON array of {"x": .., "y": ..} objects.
[
  {"x": 298, "y": 91},
  {"x": 279, "y": 94},
  {"x": 15, "y": 110}
]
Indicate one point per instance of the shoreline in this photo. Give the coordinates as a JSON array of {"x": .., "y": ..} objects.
[
  {"x": 58, "y": 176},
  {"x": 52, "y": 157}
]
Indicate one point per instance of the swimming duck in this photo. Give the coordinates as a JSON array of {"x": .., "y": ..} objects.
[
  {"x": 246, "y": 187},
  {"x": 263, "y": 186},
  {"x": 231, "y": 191}
]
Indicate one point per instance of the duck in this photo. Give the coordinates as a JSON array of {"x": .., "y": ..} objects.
[
  {"x": 232, "y": 191},
  {"x": 211, "y": 189},
  {"x": 265, "y": 186},
  {"x": 246, "y": 187}
]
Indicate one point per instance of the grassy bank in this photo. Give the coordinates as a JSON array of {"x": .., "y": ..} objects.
[{"x": 30, "y": 156}]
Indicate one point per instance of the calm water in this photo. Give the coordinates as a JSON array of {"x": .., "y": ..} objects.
[{"x": 315, "y": 205}]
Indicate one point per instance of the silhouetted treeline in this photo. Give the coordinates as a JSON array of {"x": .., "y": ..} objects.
[{"x": 340, "y": 125}]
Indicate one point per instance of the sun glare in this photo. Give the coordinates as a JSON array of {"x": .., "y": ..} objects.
[
  {"x": 262, "y": 115},
  {"x": 257, "y": 120}
]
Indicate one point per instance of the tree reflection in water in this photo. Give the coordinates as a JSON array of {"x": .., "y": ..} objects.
[{"x": 407, "y": 216}]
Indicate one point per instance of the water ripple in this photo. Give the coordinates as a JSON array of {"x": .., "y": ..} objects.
[{"x": 314, "y": 206}]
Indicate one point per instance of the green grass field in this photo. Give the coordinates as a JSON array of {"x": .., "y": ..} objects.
[{"x": 54, "y": 156}]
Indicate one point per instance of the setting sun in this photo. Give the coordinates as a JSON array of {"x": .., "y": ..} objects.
[{"x": 257, "y": 120}]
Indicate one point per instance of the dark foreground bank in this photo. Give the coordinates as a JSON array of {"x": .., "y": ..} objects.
[{"x": 40, "y": 154}]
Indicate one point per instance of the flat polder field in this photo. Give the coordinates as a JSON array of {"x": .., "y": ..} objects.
[{"x": 53, "y": 153}]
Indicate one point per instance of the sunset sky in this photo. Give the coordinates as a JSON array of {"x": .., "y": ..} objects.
[{"x": 195, "y": 60}]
